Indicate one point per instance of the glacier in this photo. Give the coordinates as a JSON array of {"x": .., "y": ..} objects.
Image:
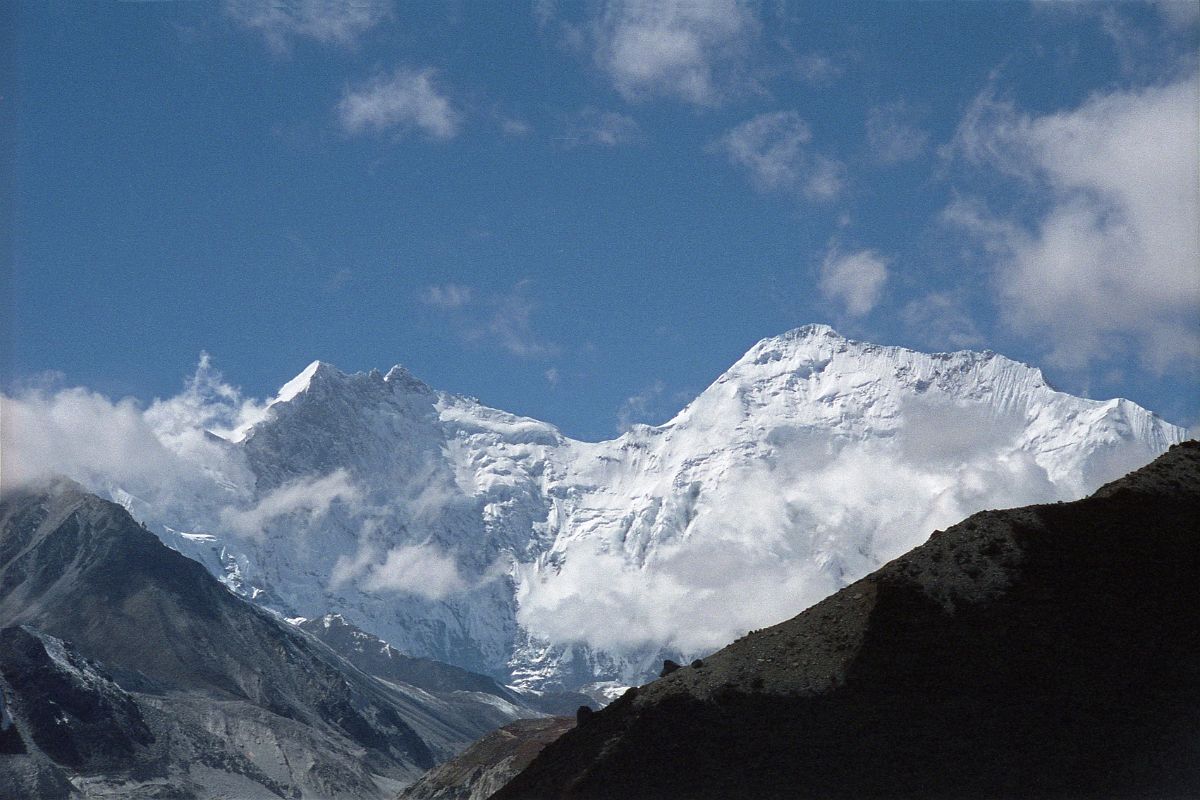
[{"x": 463, "y": 533}]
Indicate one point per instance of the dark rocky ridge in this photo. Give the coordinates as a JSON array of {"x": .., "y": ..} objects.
[
  {"x": 1048, "y": 651},
  {"x": 481, "y": 769}
]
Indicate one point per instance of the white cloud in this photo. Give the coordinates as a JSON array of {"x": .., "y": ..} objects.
[
  {"x": 339, "y": 22},
  {"x": 602, "y": 128},
  {"x": 855, "y": 280},
  {"x": 641, "y": 407},
  {"x": 552, "y": 376},
  {"x": 405, "y": 100},
  {"x": 312, "y": 496},
  {"x": 1110, "y": 260},
  {"x": 773, "y": 149},
  {"x": 690, "y": 49},
  {"x": 447, "y": 296},
  {"x": 510, "y": 326},
  {"x": 163, "y": 455},
  {"x": 770, "y": 538},
  {"x": 419, "y": 569},
  {"x": 503, "y": 320},
  {"x": 891, "y": 135},
  {"x": 941, "y": 321},
  {"x": 517, "y": 128},
  {"x": 207, "y": 403},
  {"x": 817, "y": 69}
]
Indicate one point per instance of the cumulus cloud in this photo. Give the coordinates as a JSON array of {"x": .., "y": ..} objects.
[
  {"x": 688, "y": 49},
  {"x": 855, "y": 280},
  {"x": 892, "y": 136},
  {"x": 1109, "y": 260},
  {"x": 311, "y": 496},
  {"x": 773, "y": 149},
  {"x": 166, "y": 456},
  {"x": 339, "y": 22},
  {"x": 405, "y": 100}
]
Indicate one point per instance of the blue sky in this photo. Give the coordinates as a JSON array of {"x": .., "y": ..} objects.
[{"x": 584, "y": 212}]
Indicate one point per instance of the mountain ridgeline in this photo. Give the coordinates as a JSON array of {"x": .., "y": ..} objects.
[
  {"x": 491, "y": 541},
  {"x": 1045, "y": 651}
]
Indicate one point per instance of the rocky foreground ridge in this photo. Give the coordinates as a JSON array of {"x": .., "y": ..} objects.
[{"x": 1045, "y": 651}]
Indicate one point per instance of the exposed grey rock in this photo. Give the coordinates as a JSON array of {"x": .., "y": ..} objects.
[
  {"x": 489, "y": 763},
  {"x": 126, "y": 668}
]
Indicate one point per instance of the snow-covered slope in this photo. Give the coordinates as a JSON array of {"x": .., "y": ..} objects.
[{"x": 463, "y": 533}]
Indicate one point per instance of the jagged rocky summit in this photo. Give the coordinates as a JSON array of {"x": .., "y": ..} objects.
[{"x": 463, "y": 533}]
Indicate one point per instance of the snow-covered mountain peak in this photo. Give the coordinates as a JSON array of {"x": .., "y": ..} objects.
[
  {"x": 491, "y": 540},
  {"x": 315, "y": 372},
  {"x": 814, "y": 376}
]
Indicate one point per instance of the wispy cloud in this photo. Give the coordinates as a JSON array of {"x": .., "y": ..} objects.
[
  {"x": 773, "y": 149},
  {"x": 503, "y": 319},
  {"x": 514, "y": 127},
  {"x": 639, "y": 408},
  {"x": 816, "y": 69},
  {"x": 1179, "y": 13},
  {"x": 510, "y": 325},
  {"x": 312, "y": 496},
  {"x": 592, "y": 126},
  {"x": 940, "y": 320},
  {"x": 338, "y": 22},
  {"x": 447, "y": 295},
  {"x": 405, "y": 100},
  {"x": 1108, "y": 260},
  {"x": 855, "y": 280},
  {"x": 892, "y": 135}
]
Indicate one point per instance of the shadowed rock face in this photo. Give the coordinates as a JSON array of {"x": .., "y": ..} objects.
[
  {"x": 127, "y": 668},
  {"x": 1048, "y": 651},
  {"x": 488, "y": 764}
]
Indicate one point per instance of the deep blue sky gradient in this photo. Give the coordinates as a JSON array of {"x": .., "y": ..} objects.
[{"x": 179, "y": 186}]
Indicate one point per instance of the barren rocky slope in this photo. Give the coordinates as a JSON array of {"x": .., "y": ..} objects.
[
  {"x": 127, "y": 669},
  {"x": 481, "y": 769}
]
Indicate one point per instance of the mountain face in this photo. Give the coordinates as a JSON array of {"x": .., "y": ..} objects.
[
  {"x": 491, "y": 541},
  {"x": 126, "y": 668},
  {"x": 1046, "y": 651},
  {"x": 378, "y": 658}
]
